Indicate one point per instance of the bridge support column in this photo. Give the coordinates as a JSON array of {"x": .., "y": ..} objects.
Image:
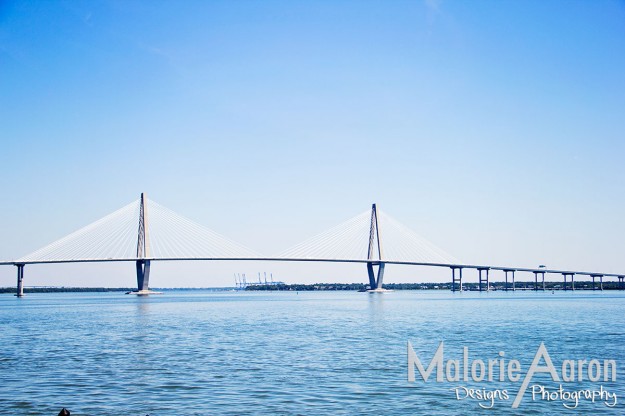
[
  {"x": 454, "y": 280},
  {"x": 374, "y": 253},
  {"x": 143, "y": 251},
  {"x": 542, "y": 274},
  {"x": 600, "y": 276},
  {"x": 535, "y": 281},
  {"x": 621, "y": 280},
  {"x": 20, "y": 281},
  {"x": 483, "y": 279},
  {"x": 567, "y": 274},
  {"x": 594, "y": 276},
  {"x": 372, "y": 282},
  {"x": 143, "y": 275},
  {"x": 513, "y": 285},
  {"x": 375, "y": 283}
]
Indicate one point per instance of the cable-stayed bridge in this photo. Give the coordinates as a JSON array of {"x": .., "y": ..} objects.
[{"x": 145, "y": 231}]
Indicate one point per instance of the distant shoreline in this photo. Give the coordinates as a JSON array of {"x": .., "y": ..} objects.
[
  {"x": 496, "y": 286},
  {"x": 520, "y": 285}
]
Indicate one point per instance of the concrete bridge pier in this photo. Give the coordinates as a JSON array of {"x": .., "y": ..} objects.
[
  {"x": 484, "y": 279},
  {"x": 20, "y": 280},
  {"x": 455, "y": 280},
  {"x": 143, "y": 251},
  {"x": 621, "y": 280},
  {"x": 375, "y": 283},
  {"x": 594, "y": 276},
  {"x": 513, "y": 284},
  {"x": 143, "y": 275},
  {"x": 542, "y": 274},
  {"x": 374, "y": 253},
  {"x": 564, "y": 275}
]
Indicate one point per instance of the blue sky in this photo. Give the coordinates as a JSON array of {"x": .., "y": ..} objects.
[{"x": 494, "y": 129}]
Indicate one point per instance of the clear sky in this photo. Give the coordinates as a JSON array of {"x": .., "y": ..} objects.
[{"x": 494, "y": 129}]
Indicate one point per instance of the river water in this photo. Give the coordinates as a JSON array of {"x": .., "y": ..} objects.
[{"x": 313, "y": 353}]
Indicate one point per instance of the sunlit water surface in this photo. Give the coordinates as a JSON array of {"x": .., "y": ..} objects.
[{"x": 238, "y": 353}]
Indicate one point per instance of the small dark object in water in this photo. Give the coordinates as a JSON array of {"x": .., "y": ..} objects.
[{"x": 64, "y": 412}]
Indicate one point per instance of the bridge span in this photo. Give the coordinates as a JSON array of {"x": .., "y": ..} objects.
[{"x": 126, "y": 235}]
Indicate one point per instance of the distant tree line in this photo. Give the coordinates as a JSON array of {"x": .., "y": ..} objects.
[
  {"x": 65, "y": 289},
  {"x": 309, "y": 287},
  {"x": 523, "y": 285}
]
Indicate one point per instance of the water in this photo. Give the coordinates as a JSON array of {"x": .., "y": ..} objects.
[{"x": 212, "y": 353}]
